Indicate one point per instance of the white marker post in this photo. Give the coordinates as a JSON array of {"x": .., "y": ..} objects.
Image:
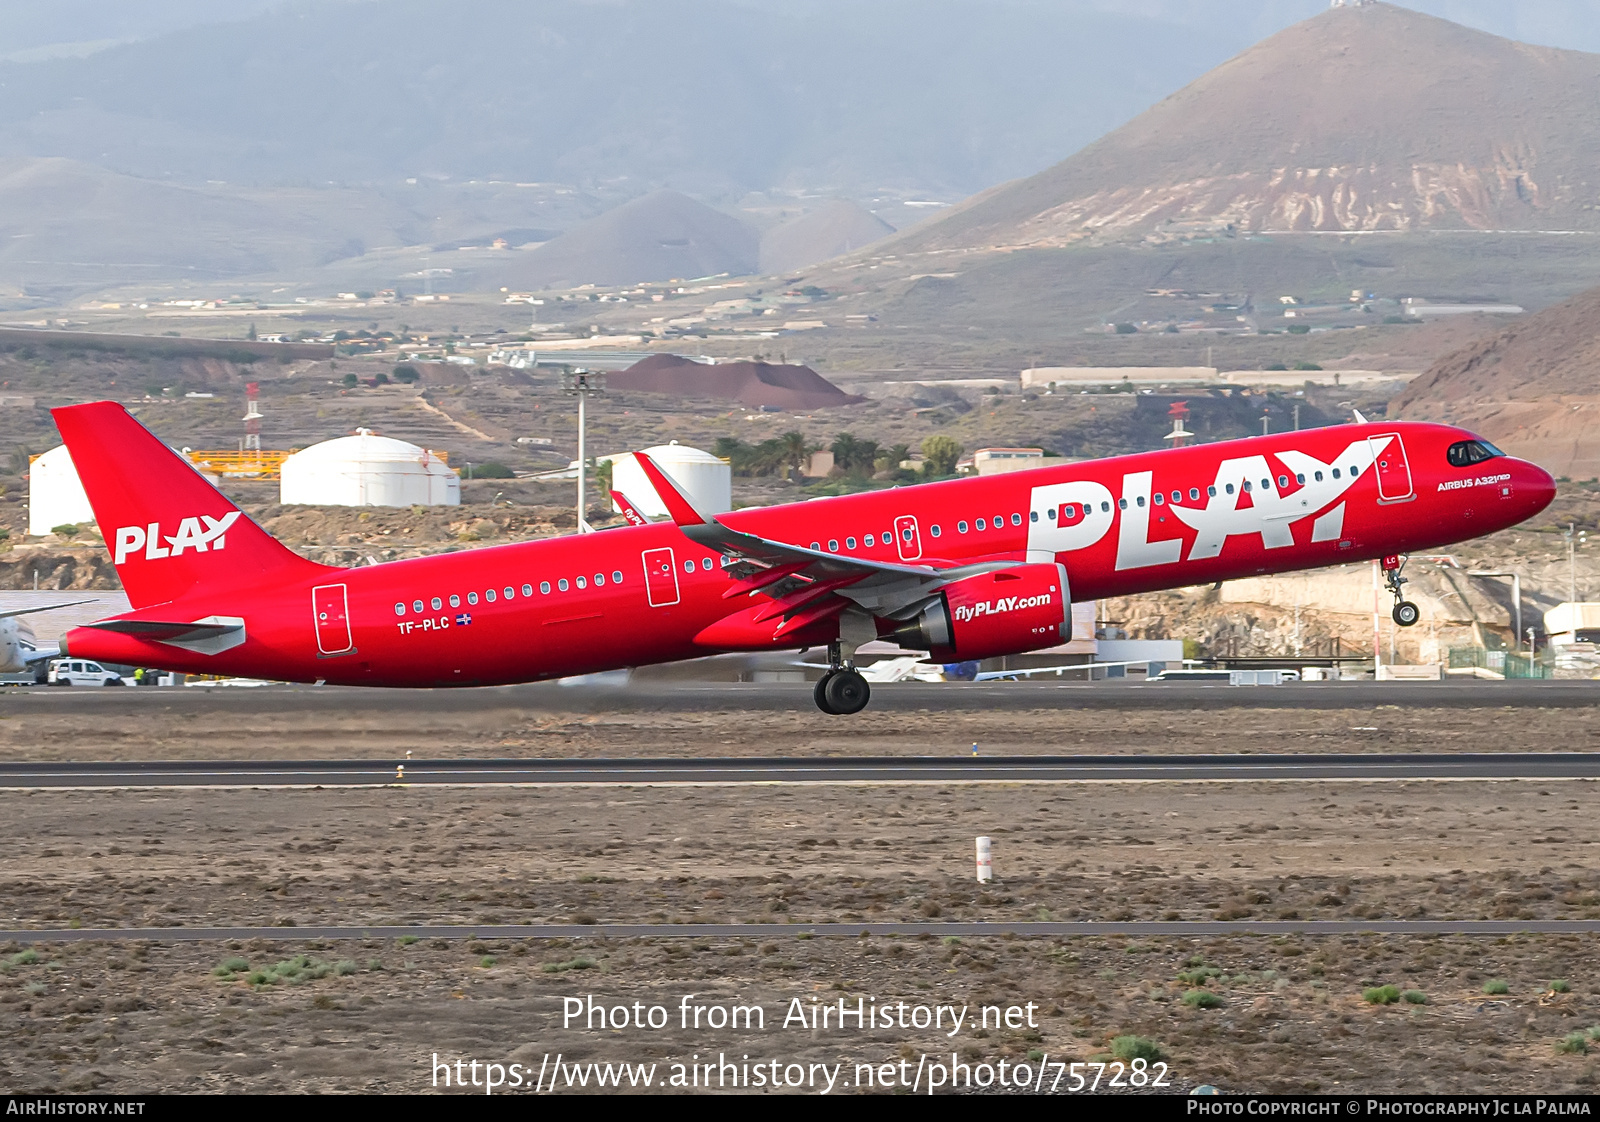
[{"x": 985, "y": 865}]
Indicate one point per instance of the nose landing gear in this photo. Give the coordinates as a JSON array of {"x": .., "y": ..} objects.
[
  {"x": 1404, "y": 613},
  {"x": 842, "y": 690}
]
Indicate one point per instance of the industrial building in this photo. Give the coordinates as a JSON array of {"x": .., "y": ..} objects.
[
  {"x": 55, "y": 497},
  {"x": 367, "y": 470},
  {"x": 707, "y": 480}
]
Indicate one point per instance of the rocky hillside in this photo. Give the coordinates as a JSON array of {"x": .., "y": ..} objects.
[
  {"x": 1532, "y": 388},
  {"x": 1369, "y": 118}
]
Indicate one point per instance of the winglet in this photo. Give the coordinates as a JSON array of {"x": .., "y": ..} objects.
[
  {"x": 683, "y": 512},
  {"x": 629, "y": 511},
  {"x": 1360, "y": 420}
]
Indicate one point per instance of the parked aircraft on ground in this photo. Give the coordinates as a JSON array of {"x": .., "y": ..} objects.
[{"x": 966, "y": 569}]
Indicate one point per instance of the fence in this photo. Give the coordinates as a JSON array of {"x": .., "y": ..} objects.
[{"x": 1507, "y": 664}]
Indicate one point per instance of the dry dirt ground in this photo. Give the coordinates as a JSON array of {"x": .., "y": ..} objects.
[{"x": 125, "y": 1017}]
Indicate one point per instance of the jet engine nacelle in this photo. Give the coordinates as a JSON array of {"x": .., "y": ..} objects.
[{"x": 1006, "y": 612}]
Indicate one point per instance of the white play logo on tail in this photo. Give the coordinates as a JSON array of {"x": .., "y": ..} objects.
[{"x": 131, "y": 539}]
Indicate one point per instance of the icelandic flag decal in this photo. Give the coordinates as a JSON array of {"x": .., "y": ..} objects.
[{"x": 463, "y": 619}]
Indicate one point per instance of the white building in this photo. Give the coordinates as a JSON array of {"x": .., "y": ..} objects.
[
  {"x": 55, "y": 496},
  {"x": 367, "y": 470},
  {"x": 707, "y": 480}
]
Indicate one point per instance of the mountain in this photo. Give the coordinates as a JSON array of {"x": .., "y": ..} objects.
[
  {"x": 1370, "y": 118},
  {"x": 64, "y": 223},
  {"x": 705, "y": 96},
  {"x": 662, "y": 236},
  {"x": 1532, "y": 388},
  {"x": 836, "y": 227}
]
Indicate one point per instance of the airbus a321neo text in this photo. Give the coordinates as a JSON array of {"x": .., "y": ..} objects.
[{"x": 965, "y": 569}]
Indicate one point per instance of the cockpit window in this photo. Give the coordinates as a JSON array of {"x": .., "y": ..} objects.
[{"x": 1465, "y": 453}]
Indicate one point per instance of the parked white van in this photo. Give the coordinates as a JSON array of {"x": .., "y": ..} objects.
[{"x": 82, "y": 672}]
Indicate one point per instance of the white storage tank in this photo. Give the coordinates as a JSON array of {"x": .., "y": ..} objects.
[
  {"x": 367, "y": 470},
  {"x": 55, "y": 496},
  {"x": 705, "y": 479}
]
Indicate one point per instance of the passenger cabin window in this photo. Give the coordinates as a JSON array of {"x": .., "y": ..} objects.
[
  {"x": 934, "y": 530},
  {"x": 961, "y": 527},
  {"x": 582, "y": 583},
  {"x": 616, "y": 576},
  {"x": 1465, "y": 453},
  {"x": 489, "y": 595},
  {"x": 544, "y": 587},
  {"x": 472, "y": 597},
  {"x": 455, "y": 601},
  {"x": 981, "y": 524},
  {"x": 1016, "y": 519},
  {"x": 1160, "y": 499},
  {"x": 562, "y": 584}
]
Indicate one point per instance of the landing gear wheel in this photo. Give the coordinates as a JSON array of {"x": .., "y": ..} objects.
[
  {"x": 820, "y": 693},
  {"x": 846, "y": 692},
  {"x": 1406, "y": 613}
]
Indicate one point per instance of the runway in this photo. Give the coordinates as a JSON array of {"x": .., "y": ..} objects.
[
  {"x": 1134, "y": 928},
  {"x": 813, "y": 770},
  {"x": 705, "y": 697}
]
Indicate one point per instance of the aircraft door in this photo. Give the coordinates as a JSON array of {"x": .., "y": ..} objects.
[
  {"x": 907, "y": 538},
  {"x": 1394, "y": 473},
  {"x": 660, "y": 577},
  {"x": 330, "y": 610}
]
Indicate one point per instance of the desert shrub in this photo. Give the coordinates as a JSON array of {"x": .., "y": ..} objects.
[
  {"x": 1202, "y": 999},
  {"x": 228, "y": 967},
  {"x": 491, "y": 470},
  {"x": 1560, "y": 985},
  {"x": 65, "y": 530},
  {"x": 407, "y": 940},
  {"x": 1495, "y": 986},
  {"x": 1198, "y": 975},
  {"x": 1573, "y": 1043},
  {"x": 1130, "y": 1047},
  {"x": 486, "y": 961},
  {"x": 344, "y": 967},
  {"x": 1414, "y": 997},
  {"x": 24, "y": 958},
  {"x": 1381, "y": 995},
  {"x": 406, "y": 373},
  {"x": 374, "y": 964},
  {"x": 571, "y": 964}
]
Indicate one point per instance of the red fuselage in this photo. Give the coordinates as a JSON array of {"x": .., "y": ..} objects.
[{"x": 640, "y": 595}]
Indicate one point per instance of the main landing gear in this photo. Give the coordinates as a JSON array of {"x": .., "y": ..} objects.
[
  {"x": 1405, "y": 613},
  {"x": 842, "y": 690}
]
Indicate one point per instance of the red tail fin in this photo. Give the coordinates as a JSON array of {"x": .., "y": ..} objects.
[{"x": 167, "y": 528}]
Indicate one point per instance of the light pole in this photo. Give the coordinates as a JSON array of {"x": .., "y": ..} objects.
[{"x": 582, "y": 384}]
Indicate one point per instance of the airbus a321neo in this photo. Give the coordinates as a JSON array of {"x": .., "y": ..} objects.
[{"x": 965, "y": 569}]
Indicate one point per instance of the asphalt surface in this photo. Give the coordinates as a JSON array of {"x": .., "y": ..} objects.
[
  {"x": 882, "y": 769},
  {"x": 1149, "y": 929},
  {"x": 899, "y": 697}
]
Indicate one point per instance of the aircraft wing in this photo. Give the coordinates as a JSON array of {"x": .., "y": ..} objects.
[
  {"x": 785, "y": 571},
  {"x": 46, "y": 608}
]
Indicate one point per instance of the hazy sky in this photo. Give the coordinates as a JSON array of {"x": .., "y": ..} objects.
[{"x": 27, "y": 25}]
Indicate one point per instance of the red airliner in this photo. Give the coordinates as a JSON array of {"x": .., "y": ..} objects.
[{"x": 965, "y": 569}]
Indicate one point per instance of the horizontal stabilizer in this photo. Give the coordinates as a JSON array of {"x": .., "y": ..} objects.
[
  {"x": 209, "y": 635},
  {"x": 166, "y": 631}
]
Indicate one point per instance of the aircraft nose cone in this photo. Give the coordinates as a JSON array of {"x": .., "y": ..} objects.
[{"x": 1535, "y": 485}]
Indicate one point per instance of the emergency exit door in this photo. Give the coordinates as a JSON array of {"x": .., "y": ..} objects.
[
  {"x": 660, "y": 577},
  {"x": 330, "y": 609},
  {"x": 1394, "y": 473}
]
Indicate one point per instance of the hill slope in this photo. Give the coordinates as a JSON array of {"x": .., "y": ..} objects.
[
  {"x": 662, "y": 236},
  {"x": 837, "y": 227},
  {"x": 1370, "y": 118},
  {"x": 1533, "y": 388}
]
